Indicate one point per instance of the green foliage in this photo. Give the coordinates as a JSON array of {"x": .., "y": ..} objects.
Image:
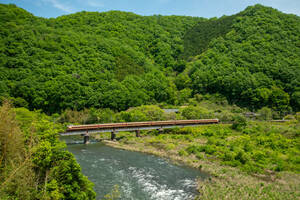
[
  {"x": 88, "y": 59},
  {"x": 184, "y": 95},
  {"x": 249, "y": 59},
  {"x": 225, "y": 116},
  {"x": 39, "y": 167},
  {"x": 197, "y": 39},
  {"x": 265, "y": 113},
  {"x": 239, "y": 122},
  {"x": 170, "y": 146},
  {"x": 182, "y": 152},
  {"x": 289, "y": 117},
  {"x": 297, "y": 116},
  {"x": 16, "y": 178},
  {"x": 295, "y": 100},
  {"x": 119, "y": 60},
  {"x": 255, "y": 149},
  {"x": 195, "y": 112},
  {"x": 73, "y": 116},
  {"x": 142, "y": 113}
]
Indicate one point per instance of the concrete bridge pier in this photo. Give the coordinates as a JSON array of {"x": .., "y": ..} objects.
[
  {"x": 160, "y": 130},
  {"x": 138, "y": 133},
  {"x": 113, "y": 135},
  {"x": 86, "y": 138}
]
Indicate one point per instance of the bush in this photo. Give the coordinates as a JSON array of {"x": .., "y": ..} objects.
[
  {"x": 225, "y": 116},
  {"x": 142, "y": 113},
  {"x": 265, "y": 113},
  {"x": 199, "y": 155},
  {"x": 170, "y": 146},
  {"x": 289, "y": 117},
  {"x": 297, "y": 116},
  {"x": 194, "y": 112},
  {"x": 239, "y": 122},
  {"x": 258, "y": 156},
  {"x": 242, "y": 157},
  {"x": 182, "y": 131},
  {"x": 194, "y": 149},
  {"x": 209, "y": 132},
  {"x": 210, "y": 149},
  {"x": 228, "y": 156},
  {"x": 105, "y": 115},
  {"x": 74, "y": 116},
  {"x": 188, "y": 138},
  {"x": 183, "y": 153}
]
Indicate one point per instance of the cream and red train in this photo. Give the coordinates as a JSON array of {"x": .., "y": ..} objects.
[{"x": 140, "y": 124}]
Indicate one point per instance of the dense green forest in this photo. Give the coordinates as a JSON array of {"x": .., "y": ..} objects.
[
  {"x": 119, "y": 60},
  {"x": 255, "y": 63}
]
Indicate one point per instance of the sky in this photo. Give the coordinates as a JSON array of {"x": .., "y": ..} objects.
[{"x": 200, "y": 8}]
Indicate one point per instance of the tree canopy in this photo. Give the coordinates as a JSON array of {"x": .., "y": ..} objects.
[{"x": 118, "y": 60}]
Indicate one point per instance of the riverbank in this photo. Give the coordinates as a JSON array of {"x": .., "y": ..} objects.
[{"x": 229, "y": 180}]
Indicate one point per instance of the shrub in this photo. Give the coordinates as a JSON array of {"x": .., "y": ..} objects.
[
  {"x": 188, "y": 138},
  {"x": 225, "y": 116},
  {"x": 265, "y": 113},
  {"x": 228, "y": 156},
  {"x": 242, "y": 157},
  {"x": 297, "y": 116},
  {"x": 183, "y": 131},
  {"x": 239, "y": 122},
  {"x": 194, "y": 149},
  {"x": 105, "y": 115},
  {"x": 74, "y": 116},
  {"x": 289, "y": 117},
  {"x": 170, "y": 146},
  {"x": 199, "y": 155},
  {"x": 251, "y": 167},
  {"x": 210, "y": 149},
  {"x": 194, "y": 112},
  {"x": 258, "y": 156},
  {"x": 279, "y": 166},
  {"x": 209, "y": 132},
  {"x": 198, "y": 97},
  {"x": 142, "y": 113},
  {"x": 248, "y": 147},
  {"x": 182, "y": 152}
]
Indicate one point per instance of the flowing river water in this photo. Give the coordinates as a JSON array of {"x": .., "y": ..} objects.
[{"x": 139, "y": 176}]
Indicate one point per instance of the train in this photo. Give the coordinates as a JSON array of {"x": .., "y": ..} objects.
[{"x": 141, "y": 124}]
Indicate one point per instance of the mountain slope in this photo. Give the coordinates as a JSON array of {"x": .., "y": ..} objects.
[
  {"x": 83, "y": 59},
  {"x": 120, "y": 60},
  {"x": 256, "y": 63}
]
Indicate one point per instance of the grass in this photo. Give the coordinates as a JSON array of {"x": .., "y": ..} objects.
[{"x": 261, "y": 161}]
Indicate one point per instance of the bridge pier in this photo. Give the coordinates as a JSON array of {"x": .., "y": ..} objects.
[
  {"x": 86, "y": 138},
  {"x": 160, "y": 130},
  {"x": 138, "y": 133},
  {"x": 113, "y": 135}
]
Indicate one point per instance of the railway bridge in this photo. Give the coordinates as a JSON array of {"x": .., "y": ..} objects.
[{"x": 86, "y": 130}]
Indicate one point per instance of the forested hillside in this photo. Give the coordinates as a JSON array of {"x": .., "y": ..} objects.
[
  {"x": 119, "y": 60},
  {"x": 113, "y": 59},
  {"x": 254, "y": 59}
]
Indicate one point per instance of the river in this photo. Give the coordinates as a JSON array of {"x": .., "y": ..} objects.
[{"x": 139, "y": 176}]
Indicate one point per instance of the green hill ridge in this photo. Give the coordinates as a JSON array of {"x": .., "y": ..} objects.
[{"x": 119, "y": 60}]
